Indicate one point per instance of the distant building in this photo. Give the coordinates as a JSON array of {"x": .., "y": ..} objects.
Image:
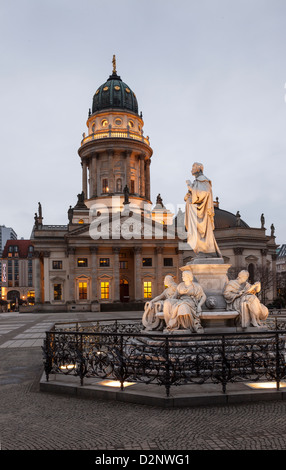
[
  {"x": 281, "y": 271},
  {"x": 17, "y": 273},
  {"x": 6, "y": 233},
  {"x": 281, "y": 260},
  {"x": 77, "y": 270}
]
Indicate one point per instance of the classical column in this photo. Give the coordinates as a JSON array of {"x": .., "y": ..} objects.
[
  {"x": 142, "y": 175},
  {"x": 45, "y": 277},
  {"x": 180, "y": 263},
  {"x": 147, "y": 180},
  {"x": 84, "y": 178},
  {"x": 92, "y": 176},
  {"x": 95, "y": 189},
  {"x": 37, "y": 277},
  {"x": 159, "y": 258},
  {"x": 137, "y": 273},
  {"x": 264, "y": 253},
  {"x": 127, "y": 168},
  {"x": 110, "y": 173},
  {"x": 116, "y": 274},
  {"x": 238, "y": 257},
  {"x": 71, "y": 256},
  {"x": 93, "y": 251}
]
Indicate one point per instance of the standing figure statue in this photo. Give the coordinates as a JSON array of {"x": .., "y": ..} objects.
[
  {"x": 199, "y": 215},
  {"x": 126, "y": 194},
  {"x": 182, "y": 311},
  {"x": 241, "y": 296},
  {"x": 150, "y": 319}
]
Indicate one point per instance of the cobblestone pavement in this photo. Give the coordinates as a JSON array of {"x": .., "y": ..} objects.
[{"x": 31, "y": 419}]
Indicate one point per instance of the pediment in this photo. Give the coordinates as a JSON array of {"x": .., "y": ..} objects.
[
  {"x": 125, "y": 227},
  {"x": 251, "y": 258}
]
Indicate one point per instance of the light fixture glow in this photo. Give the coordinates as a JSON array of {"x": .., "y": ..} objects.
[
  {"x": 265, "y": 385},
  {"x": 67, "y": 367},
  {"x": 115, "y": 383}
]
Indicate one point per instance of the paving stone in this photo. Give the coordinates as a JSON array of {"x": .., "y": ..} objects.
[{"x": 30, "y": 419}]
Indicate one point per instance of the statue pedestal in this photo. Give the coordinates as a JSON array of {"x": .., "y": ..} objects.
[{"x": 211, "y": 274}]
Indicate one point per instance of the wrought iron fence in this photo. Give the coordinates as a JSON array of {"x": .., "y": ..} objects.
[{"x": 121, "y": 351}]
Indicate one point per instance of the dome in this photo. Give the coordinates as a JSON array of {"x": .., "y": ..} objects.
[
  {"x": 114, "y": 93},
  {"x": 222, "y": 219},
  {"x": 225, "y": 219}
]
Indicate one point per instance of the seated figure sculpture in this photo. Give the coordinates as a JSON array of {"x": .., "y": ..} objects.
[
  {"x": 241, "y": 296},
  {"x": 182, "y": 311},
  {"x": 151, "y": 320}
]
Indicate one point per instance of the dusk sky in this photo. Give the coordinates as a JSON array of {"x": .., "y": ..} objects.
[{"x": 209, "y": 76}]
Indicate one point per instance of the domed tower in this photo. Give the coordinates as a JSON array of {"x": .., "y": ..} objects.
[{"x": 114, "y": 154}]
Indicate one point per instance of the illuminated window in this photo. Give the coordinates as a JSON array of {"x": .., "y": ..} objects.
[
  {"x": 147, "y": 289},
  {"x": 57, "y": 291},
  {"x": 131, "y": 124},
  {"x": 104, "y": 123},
  {"x": 104, "y": 262},
  {"x": 81, "y": 221},
  {"x": 31, "y": 297},
  {"x": 82, "y": 290},
  {"x": 105, "y": 188},
  {"x": 147, "y": 262},
  {"x": 57, "y": 265},
  {"x": 104, "y": 289},
  {"x": 132, "y": 186},
  {"x": 82, "y": 263}
]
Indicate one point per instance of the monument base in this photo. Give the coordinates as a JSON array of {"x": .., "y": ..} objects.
[
  {"x": 219, "y": 320},
  {"x": 211, "y": 274}
]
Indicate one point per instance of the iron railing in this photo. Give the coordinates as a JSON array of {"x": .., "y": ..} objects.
[{"x": 121, "y": 351}]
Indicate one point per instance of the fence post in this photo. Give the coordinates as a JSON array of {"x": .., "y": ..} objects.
[
  {"x": 167, "y": 367},
  {"x": 277, "y": 372},
  {"x": 81, "y": 374},
  {"x": 121, "y": 363},
  {"x": 48, "y": 356},
  {"x": 224, "y": 380}
]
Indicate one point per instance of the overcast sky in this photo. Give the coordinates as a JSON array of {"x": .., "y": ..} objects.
[{"x": 209, "y": 76}]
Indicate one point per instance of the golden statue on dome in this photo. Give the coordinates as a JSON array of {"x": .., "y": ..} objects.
[{"x": 114, "y": 65}]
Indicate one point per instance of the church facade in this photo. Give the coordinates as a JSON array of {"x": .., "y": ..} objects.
[{"x": 116, "y": 247}]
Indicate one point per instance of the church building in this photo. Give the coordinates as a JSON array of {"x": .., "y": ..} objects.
[{"x": 116, "y": 246}]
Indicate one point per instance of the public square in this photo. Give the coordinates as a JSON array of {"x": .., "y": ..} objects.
[
  {"x": 34, "y": 420},
  {"x": 143, "y": 178}
]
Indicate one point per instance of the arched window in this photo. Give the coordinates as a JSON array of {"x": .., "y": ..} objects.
[{"x": 105, "y": 188}]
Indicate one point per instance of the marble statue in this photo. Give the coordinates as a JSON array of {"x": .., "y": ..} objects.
[
  {"x": 199, "y": 215},
  {"x": 183, "y": 309},
  {"x": 150, "y": 319},
  {"x": 241, "y": 296}
]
